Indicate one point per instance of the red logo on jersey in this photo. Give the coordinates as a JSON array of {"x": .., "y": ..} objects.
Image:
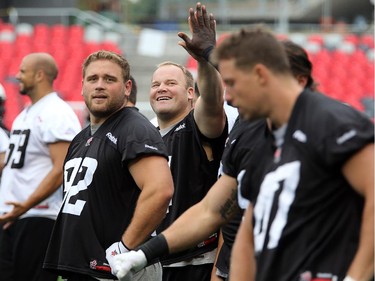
[
  {"x": 210, "y": 240},
  {"x": 114, "y": 253},
  {"x": 277, "y": 155},
  {"x": 306, "y": 276},
  {"x": 88, "y": 142},
  {"x": 93, "y": 264},
  {"x": 96, "y": 265}
]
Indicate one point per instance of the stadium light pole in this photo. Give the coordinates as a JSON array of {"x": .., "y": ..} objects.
[
  {"x": 223, "y": 8},
  {"x": 283, "y": 21},
  {"x": 327, "y": 20}
]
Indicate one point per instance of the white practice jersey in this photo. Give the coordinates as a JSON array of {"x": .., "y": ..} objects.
[
  {"x": 4, "y": 141},
  {"x": 28, "y": 160},
  {"x": 232, "y": 114}
]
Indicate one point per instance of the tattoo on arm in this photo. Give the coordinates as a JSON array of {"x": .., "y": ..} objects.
[{"x": 230, "y": 207}]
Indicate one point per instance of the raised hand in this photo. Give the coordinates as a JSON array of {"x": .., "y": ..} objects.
[{"x": 203, "y": 30}]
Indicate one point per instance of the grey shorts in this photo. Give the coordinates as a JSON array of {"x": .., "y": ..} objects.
[{"x": 152, "y": 272}]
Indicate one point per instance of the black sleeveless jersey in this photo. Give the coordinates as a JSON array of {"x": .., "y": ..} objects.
[
  {"x": 244, "y": 149},
  {"x": 307, "y": 217},
  {"x": 193, "y": 175},
  {"x": 100, "y": 193}
]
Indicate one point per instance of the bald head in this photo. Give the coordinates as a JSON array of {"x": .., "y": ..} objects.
[
  {"x": 44, "y": 62},
  {"x": 36, "y": 75}
]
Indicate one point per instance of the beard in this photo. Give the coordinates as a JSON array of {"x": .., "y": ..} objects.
[
  {"x": 103, "y": 111},
  {"x": 25, "y": 90}
]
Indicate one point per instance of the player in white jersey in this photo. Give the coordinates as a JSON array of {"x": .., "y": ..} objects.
[{"x": 30, "y": 194}]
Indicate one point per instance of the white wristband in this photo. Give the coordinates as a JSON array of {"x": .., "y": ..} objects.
[
  {"x": 122, "y": 247},
  {"x": 348, "y": 278}
]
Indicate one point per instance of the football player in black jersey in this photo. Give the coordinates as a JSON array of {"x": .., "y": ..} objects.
[
  {"x": 301, "y": 68},
  {"x": 328, "y": 231},
  {"x": 194, "y": 134},
  {"x": 313, "y": 217},
  {"x": 243, "y": 153},
  {"x": 117, "y": 181}
]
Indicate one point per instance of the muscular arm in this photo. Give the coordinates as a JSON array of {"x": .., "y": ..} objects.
[
  {"x": 204, "y": 218},
  {"x": 48, "y": 185},
  {"x": 359, "y": 171},
  {"x": 157, "y": 190},
  {"x": 209, "y": 111},
  {"x": 242, "y": 264}
]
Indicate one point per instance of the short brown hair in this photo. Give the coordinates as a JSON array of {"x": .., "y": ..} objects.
[
  {"x": 251, "y": 46},
  {"x": 111, "y": 56}
]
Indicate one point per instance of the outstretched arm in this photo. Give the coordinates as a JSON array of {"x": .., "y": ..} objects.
[
  {"x": 209, "y": 113},
  {"x": 204, "y": 218}
]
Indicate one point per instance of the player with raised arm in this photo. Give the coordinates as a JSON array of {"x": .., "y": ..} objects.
[
  {"x": 195, "y": 134},
  {"x": 304, "y": 234}
]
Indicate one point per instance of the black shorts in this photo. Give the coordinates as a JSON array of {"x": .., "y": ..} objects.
[
  {"x": 80, "y": 277},
  {"x": 22, "y": 249}
]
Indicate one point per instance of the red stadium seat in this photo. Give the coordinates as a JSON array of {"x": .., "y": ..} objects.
[
  {"x": 352, "y": 38},
  {"x": 58, "y": 32},
  {"x": 6, "y": 27},
  {"x": 14, "y": 102},
  {"x": 65, "y": 44},
  {"x": 110, "y": 46},
  {"x": 344, "y": 76},
  {"x": 76, "y": 32},
  {"x": 41, "y": 31},
  {"x": 367, "y": 40},
  {"x": 6, "y": 50},
  {"x": 318, "y": 38}
]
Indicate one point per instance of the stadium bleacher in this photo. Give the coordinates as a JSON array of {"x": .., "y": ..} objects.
[
  {"x": 343, "y": 64},
  {"x": 69, "y": 45}
]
